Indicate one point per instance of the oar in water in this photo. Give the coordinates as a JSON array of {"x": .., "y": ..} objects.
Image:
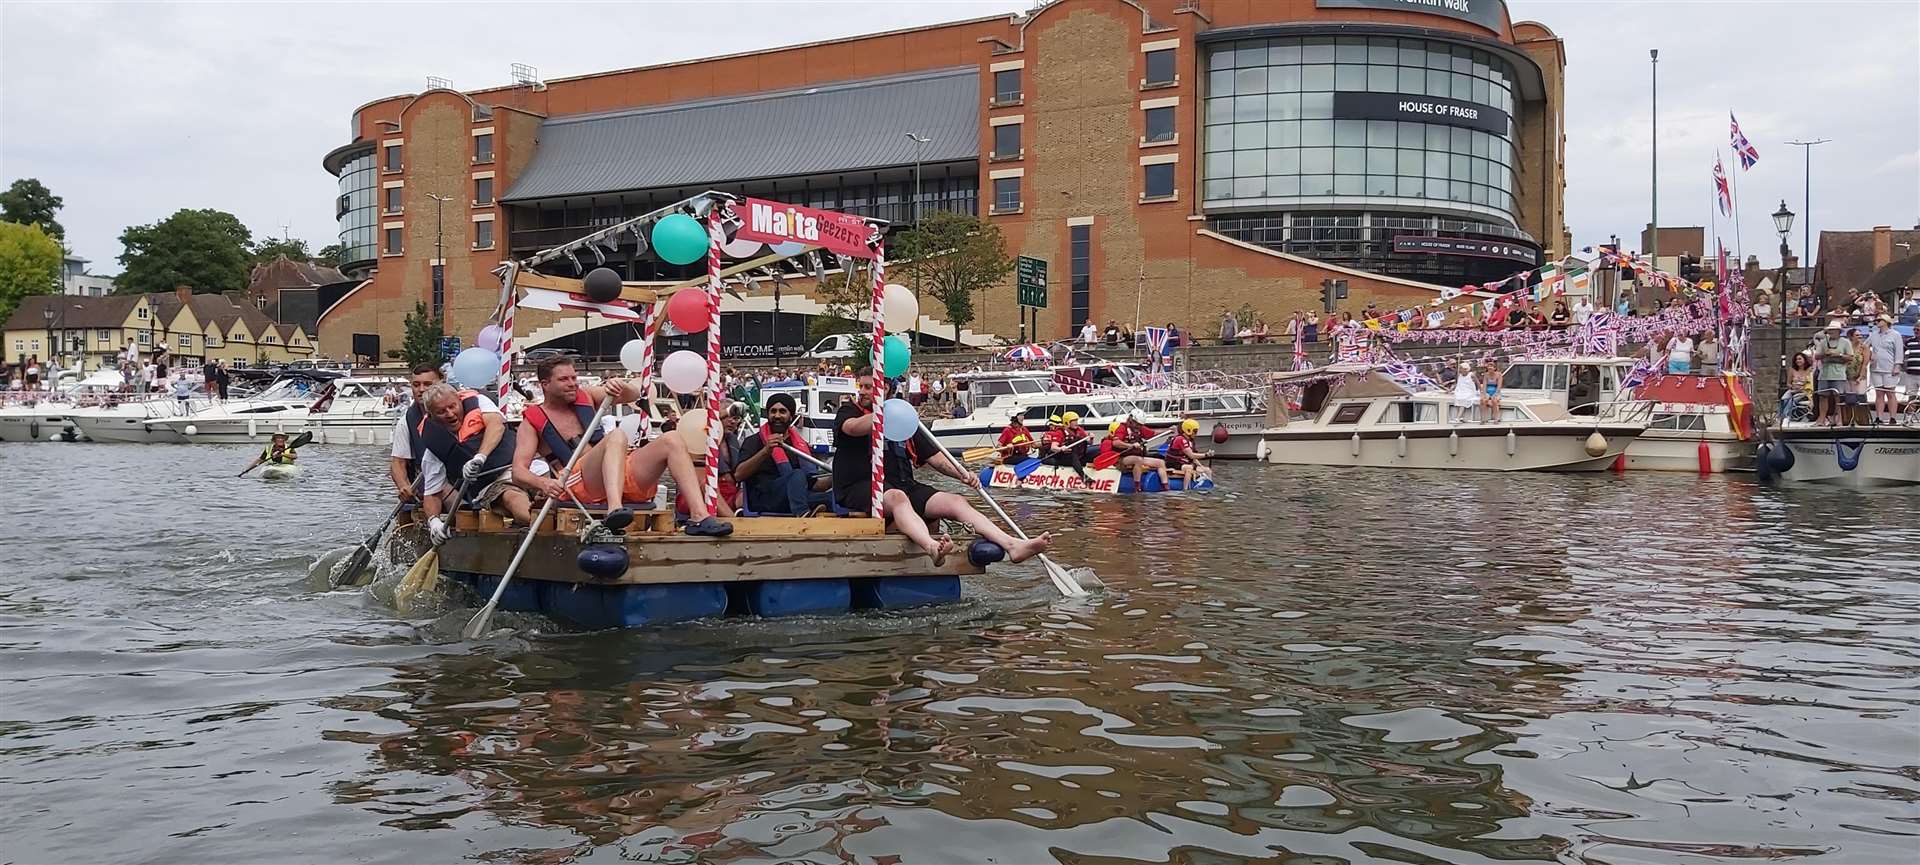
[
  {"x": 298, "y": 442},
  {"x": 1068, "y": 582},
  {"x": 426, "y": 570},
  {"x": 363, "y": 554},
  {"x": 976, "y": 454},
  {"x": 478, "y": 624}
]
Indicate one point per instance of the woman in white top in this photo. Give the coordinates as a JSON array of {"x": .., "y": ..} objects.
[
  {"x": 1680, "y": 355},
  {"x": 1466, "y": 393}
]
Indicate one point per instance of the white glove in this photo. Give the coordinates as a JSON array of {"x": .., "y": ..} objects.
[
  {"x": 437, "y": 530},
  {"x": 475, "y": 466}
]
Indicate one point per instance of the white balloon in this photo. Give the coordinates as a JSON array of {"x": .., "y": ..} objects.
[
  {"x": 633, "y": 355},
  {"x": 684, "y": 372},
  {"x": 693, "y": 430},
  {"x": 630, "y": 424},
  {"x": 899, "y": 309},
  {"x": 741, "y": 247},
  {"x": 793, "y": 248}
]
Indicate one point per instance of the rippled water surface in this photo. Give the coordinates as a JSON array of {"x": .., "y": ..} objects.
[{"x": 1308, "y": 667}]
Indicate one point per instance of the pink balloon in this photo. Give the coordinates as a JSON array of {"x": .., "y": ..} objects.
[
  {"x": 491, "y": 337},
  {"x": 687, "y": 309}
]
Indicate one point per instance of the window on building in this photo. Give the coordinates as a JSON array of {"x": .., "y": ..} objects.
[
  {"x": 1006, "y": 194},
  {"x": 392, "y": 158},
  {"x": 483, "y": 190},
  {"x": 33, "y": 345},
  {"x": 1080, "y": 260},
  {"x": 186, "y": 340},
  {"x": 395, "y": 198},
  {"x": 1006, "y": 141},
  {"x": 140, "y": 312},
  {"x": 483, "y": 147},
  {"x": 1160, "y": 124},
  {"x": 1160, "y": 67},
  {"x": 393, "y": 241},
  {"x": 102, "y": 334},
  {"x": 483, "y": 234},
  {"x": 1006, "y": 86},
  {"x": 1159, "y": 180},
  {"x": 144, "y": 337}
]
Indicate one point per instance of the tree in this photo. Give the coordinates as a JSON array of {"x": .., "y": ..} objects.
[
  {"x": 330, "y": 255},
  {"x": 29, "y": 264},
  {"x": 422, "y": 341},
  {"x": 29, "y": 202},
  {"x": 204, "y": 249},
  {"x": 273, "y": 247},
  {"x": 952, "y": 256}
]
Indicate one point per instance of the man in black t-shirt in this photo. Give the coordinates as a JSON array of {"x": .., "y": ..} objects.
[{"x": 909, "y": 503}]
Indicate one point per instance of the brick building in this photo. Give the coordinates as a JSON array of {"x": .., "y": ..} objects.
[{"x": 1178, "y": 157}]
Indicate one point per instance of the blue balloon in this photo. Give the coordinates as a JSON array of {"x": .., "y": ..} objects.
[
  {"x": 476, "y": 368},
  {"x": 901, "y": 419},
  {"x": 680, "y": 239}
]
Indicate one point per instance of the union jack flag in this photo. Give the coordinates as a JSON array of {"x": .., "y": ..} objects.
[
  {"x": 1741, "y": 146},
  {"x": 1720, "y": 186}
]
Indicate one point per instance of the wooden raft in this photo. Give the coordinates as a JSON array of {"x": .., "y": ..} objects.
[{"x": 760, "y": 548}]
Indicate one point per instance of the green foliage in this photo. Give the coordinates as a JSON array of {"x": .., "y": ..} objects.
[
  {"x": 330, "y": 255},
  {"x": 29, "y": 202},
  {"x": 422, "y": 341},
  {"x": 205, "y": 249},
  {"x": 274, "y": 247},
  {"x": 844, "y": 297},
  {"x": 953, "y": 256},
  {"x": 29, "y": 264}
]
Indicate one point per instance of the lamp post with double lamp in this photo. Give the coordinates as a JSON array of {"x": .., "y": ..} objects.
[
  {"x": 439, "y": 257},
  {"x": 919, "y": 147},
  {"x": 1783, "y": 223}
]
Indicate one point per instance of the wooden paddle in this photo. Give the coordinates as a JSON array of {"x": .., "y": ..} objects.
[
  {"x": 1068, "y": 582},
  {"x": 426, "y": 570},
  {"x": 478, "y": 624},
  {"x": 976, "y": 454},
  {"x": 298, "y": 442}
]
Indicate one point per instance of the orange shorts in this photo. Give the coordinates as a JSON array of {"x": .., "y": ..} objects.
[{"x": 630, "y": 491}]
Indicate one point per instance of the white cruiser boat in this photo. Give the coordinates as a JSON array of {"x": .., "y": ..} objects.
[
  {"x": 280, "y": 408},
  {"x": 357, "y": 410},
  {"x": 1850, "y": 456},
  {"x": 36, "y": 416},
  {"x": 1699, "y": 423},
  {"x": 127, "y": 421},
  {"x": 1355, "y": 415}
]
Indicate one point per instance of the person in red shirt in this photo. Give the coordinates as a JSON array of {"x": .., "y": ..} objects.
[
  {"x": 1015, "y": 439},
  {"x": 1128, "y": 440},
  {"x": 1066, "y": 446},
  {"x": 1183, "y": 458}
]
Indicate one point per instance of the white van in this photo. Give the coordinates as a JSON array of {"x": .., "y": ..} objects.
[{"x": 839, "y": 345}]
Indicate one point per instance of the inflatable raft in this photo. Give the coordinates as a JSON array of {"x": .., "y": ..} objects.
[
  {"x": 769, "y": 566},
  {"x": 1031, "y": 474}
]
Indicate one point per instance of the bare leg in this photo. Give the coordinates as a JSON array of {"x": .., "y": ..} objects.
[
  {"x": 514, "y": 503},
  {"x": 668, "y": 454},
  {"x": 953, "y": 507},
  {"x": 900, "y": 510},
  {"x": 1138, "y": 468}
]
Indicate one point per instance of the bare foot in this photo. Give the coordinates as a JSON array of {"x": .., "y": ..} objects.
[
  {"x": 1031, "y": 547},
  {"x": 941, "y": 549}
]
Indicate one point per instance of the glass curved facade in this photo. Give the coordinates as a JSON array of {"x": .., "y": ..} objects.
[
  {"x": 1273, "y": 140},
  {"x": 355, "y": 209}
]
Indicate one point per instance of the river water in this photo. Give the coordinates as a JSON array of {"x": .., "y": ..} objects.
[{"x": 1306, "y": 667}]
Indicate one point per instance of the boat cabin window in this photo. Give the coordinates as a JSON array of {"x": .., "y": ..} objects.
[
  {"x": 1151, "y": 406},
  {"x": 1028, "y": 385},
  {"x": 1348, "y": 413},
  {"x": 1413, "y": 412},
  {"x": 1205, "y": 404},
  {"x": 984, "y": 392},
  {"x": 1314, "y": 397},
  {"x": 1234, "y": 403},
  {"x": 1693, "y": 422},
  {"x": 1524, "y": 376},
  {"x": 1559, "y": 377},
  {"x": 1513, "y": 413}
]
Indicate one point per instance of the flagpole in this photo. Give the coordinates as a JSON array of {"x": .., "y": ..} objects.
[
  {"x": 1713, "y": 210},
  {"x": 1733, "y": 181}
]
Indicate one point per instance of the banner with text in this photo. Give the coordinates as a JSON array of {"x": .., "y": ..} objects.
[
  {"x": 835, "y": 232},
  {"x": 1353, "y": 105}
]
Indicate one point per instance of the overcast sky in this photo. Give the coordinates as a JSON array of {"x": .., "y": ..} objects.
[{"x": 131, "y": 112}]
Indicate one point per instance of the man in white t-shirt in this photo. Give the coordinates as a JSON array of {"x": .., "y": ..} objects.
[
  {"x": 1089, "y": 334},
  {"x": 916, "y": 388},
  {"x": 1582, "y": 310},
  {"x": 405, "y": 463}
]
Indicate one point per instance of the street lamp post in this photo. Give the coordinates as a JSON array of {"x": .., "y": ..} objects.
[
  {"x": 1653, "y": 251},
  {"x": 1806, "y": 196},
  {"x": 53, "y": 351},
  {"x": 1783, "y": 223},
  {"x": 919, "y": 146},
  {"x": 439, "y": 258}
]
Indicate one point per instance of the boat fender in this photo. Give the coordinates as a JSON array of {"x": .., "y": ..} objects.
[
  {"x": 33, "y": 430},
  {"x": 602, "y": 561},
  {"x": 1762, "y": 467},
  {"x": 1781, "y": 458},
  {"x": 1453, "y": 443},
  {"x": 1356, "y": 444},
  {"x": 1260, "y": 451},
  {"x": 983, "y": 552},
  {"x": 192, "y": 430},
  {"x": 1221, "y": 433},
  {"x": 1706, "y": 458},
  {"x": 253, "y": 428},
  {"x": 1596, "y": 444},
  {"x": 1513, "y": 443},
  {"x": 1400, "y": 446}
]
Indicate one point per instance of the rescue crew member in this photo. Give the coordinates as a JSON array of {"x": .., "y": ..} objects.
[
  {"x": 275, "y": 453},
  {"x": 1066, "y": 446},
  {"x": 776, "y": 481},
  {"x": 462, "y": 431},
  {"x": 403, "y": 464},
  {"x": 1183, "y": 458},
  {"x": 1015, "y": 439},
  {"x": 1130, "y": 442},
  {"x": 909, "y": 503}
]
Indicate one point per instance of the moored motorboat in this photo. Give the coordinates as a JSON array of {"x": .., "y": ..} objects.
[
  {"x": 1852, "y": 456},
  {"x": 1696, "y": 423},
  {"x": 281, "y": 408},
  {"x": 36, "y": 420}
]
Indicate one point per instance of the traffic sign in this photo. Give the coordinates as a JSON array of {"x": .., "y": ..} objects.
[{"x": 1030, "y": 278}]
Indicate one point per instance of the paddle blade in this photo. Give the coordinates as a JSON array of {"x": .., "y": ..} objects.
[
  {"x": 420, "y": 578},
  {"x": 477, "y": 626},
  {"x": 302, "y": 440},
  {"x": 1106, "y": 460},
  {"x": 971, "y": 455},
  {"x": 348, "y": 574}
]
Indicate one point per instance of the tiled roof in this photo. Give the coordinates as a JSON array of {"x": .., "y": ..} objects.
[
  {"x": 109, "y": 311},
  {"x": 1845, "y": 260}
]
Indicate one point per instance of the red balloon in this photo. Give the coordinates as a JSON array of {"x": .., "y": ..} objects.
[{"x": 687, "y": 309}]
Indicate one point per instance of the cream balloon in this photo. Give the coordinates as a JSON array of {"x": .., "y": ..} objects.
[
  {"x": 683, "y": 372},
  {"x": 693, "y": 431},
  {"x": 899, "y": 309},
  {"x": 741, "y": 247}
]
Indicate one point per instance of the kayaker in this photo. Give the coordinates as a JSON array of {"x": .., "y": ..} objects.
[
  {"x": 276, "y": 453},
  {"x": 462, "y": 430},
  {"x": 1183, "y": 458},
  {"x": 1015, "y": 439},
  {"x": 775, "y": 480},
  {"x": 909, "y": 503},
  {"x": 1066, "y": 446}
]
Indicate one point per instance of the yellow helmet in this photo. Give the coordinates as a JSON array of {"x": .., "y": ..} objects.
[
  {"x": 1189, "y": 426},
  {"x": 1070, "y": 417},
  {"x": 1114, "y": 428},
  {"x": 1053, "y": 419}
]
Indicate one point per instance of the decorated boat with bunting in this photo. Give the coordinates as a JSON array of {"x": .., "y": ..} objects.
[{"x": 1032, "y": 474}]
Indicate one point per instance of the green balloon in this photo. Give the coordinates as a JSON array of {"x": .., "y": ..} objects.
[
  {"x": 679, "y": 239},
  {"x": 894, "y": 356}
]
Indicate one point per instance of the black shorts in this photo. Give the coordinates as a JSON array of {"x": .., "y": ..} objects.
[{"x": 861, "y": 499}]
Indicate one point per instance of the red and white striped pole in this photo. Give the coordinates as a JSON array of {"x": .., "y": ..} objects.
[
  {"x": 716, "y": 238},
  {"x": 508, "y": 300},
  {"x": 879, "y": 380},
  {"x": 649, "y": 335}
]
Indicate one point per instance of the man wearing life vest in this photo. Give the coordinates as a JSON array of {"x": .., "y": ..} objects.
[
  {"x": 777, "y": 481},
  {"x": 1181, "y": 456},
  {"x": 606, "y": 474},
  {"x": 1066, "y": 446},
  {"x": 462, "y": 431},
  {"x": 403, "y": 463},
  {"x": 1130, "y": 437},
  {"x": 276, "y": 453},
  {"x": 1015, "y": 439}
]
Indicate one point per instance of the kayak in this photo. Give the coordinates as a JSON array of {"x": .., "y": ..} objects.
[
  {"x": 1032, "y": 474},
  {"x": 277, "y": 472}
]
